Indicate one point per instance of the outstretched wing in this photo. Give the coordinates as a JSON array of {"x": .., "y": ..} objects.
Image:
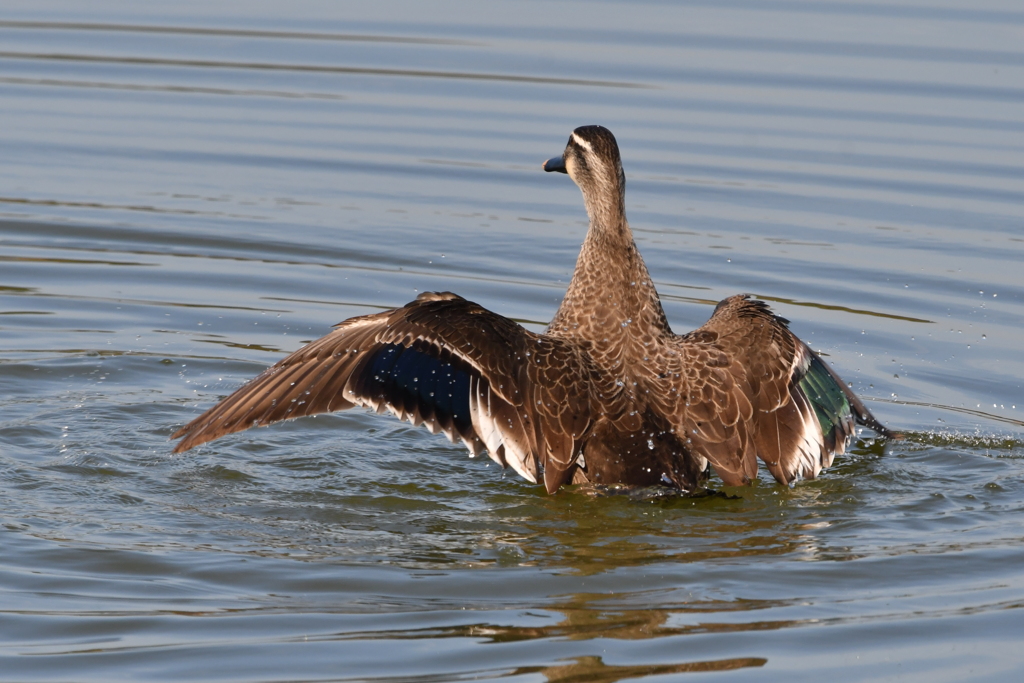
[
  {"x": 440, "y": 361},
  {"x": 750, "y": 389}
]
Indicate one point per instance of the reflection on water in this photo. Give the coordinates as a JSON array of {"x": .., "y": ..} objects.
[
  {"x": 191, "y": 191},
  {"x": 235, "y": 33},
  {"x": 594, "y": 669},
  {"x": 316, "y": 68}
]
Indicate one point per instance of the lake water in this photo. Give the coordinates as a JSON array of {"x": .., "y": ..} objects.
[{"x": 189, "y": 190}]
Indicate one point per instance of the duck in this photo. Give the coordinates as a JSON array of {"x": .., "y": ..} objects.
[{"x": 608, "y": 395}]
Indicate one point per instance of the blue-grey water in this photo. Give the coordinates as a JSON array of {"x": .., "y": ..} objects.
[{"x": 190, "y": 190}]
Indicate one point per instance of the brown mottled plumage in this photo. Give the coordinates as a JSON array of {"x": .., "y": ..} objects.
[{"x": 607, "y": 395}]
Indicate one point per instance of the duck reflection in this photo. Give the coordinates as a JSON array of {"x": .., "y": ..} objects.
[
  {"x": 594, "y": 670},
  {"x": 588, "y": 537}
]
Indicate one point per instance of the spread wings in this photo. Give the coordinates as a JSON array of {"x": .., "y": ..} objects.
[
  {"x": 442, "y": 361},
  {"x": 740, "y": 387},
  {"x": 743, "y": 387}
]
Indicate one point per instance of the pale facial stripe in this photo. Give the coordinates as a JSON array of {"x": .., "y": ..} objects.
[{"x": 585, "y": 144}]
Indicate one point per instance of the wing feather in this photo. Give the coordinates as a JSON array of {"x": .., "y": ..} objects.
[
  {"x": 440, "y": 361},
  {"x": 739, "y": 403},
  {"x": 756, "y": 391}
]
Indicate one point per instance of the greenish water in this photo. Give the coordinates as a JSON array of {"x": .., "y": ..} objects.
[{"x": 189, "y": 191}]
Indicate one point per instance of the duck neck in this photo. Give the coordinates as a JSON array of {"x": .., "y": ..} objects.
[{"x": 611, "y": 295}]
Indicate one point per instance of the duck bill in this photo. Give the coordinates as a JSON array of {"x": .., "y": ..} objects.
[{"x": 555, "y": 164}]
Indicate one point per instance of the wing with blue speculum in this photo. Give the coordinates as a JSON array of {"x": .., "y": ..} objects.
[{"x": 440, "y": 361}]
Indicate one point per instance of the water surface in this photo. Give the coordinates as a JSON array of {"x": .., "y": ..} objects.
[{"x": 189, "y": 191}]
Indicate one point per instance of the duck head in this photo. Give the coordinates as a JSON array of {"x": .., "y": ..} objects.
[{"x": 591, "y": 158}]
